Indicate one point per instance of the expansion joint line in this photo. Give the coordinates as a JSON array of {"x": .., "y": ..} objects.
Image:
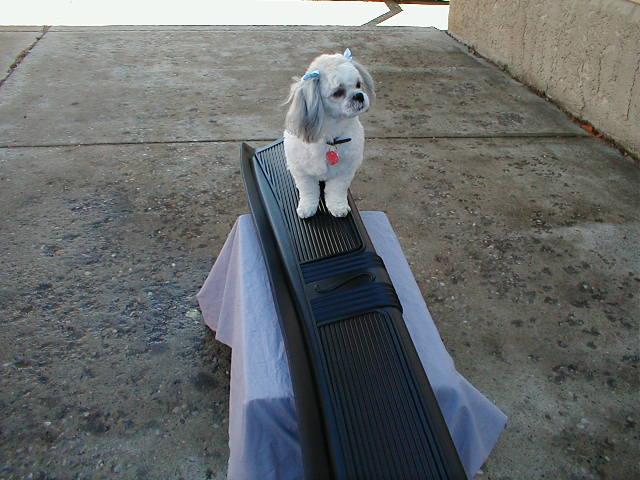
[
  {"x": 480, "y": 136},
  {"x": 21, "y": 56}
]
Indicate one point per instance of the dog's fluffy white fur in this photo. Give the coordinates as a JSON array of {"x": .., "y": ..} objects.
[{"x": 322, "y": 109}]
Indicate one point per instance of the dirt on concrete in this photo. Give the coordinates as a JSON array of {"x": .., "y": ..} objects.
[
  {"x": 106, "y": 368},
  {"x": 120, "y": 179}
]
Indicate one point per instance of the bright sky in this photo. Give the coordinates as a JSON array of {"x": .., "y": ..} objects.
[
  {"x": 420, "y": 16},
  {"x": 213, "y": 12}
]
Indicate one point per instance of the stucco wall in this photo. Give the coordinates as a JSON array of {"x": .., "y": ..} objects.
[{"x": 584, "y": 54}]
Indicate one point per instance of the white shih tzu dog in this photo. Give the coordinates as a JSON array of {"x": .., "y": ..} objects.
[{"x": 324, "y": 140}]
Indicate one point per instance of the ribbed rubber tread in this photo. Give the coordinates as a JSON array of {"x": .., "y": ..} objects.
[
  {"x": 365, "y": 406},
  {"x": 315, "y": 238},
  {"x": 344, "y": 303},
  {"x": 331, "y": 267},
  {"x": 382, "y": 423}
]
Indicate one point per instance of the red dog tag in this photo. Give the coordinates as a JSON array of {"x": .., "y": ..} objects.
[{"x": 332, "y": 157}]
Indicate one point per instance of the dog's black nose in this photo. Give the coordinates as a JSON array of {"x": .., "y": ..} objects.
[{"x": 358, "y": 97}]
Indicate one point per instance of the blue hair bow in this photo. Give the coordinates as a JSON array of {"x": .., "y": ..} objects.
[{"x": 311, "y": 74}]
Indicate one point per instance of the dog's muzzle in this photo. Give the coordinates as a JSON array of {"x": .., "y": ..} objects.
[{"x": 357, "y": 103}]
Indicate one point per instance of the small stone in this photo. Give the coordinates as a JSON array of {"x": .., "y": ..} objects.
[{"x": 193, "y": 314}]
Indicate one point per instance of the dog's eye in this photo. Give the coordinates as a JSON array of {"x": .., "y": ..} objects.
[
  {"x": 338, "y": 93},
  {"x": 358, "y": 84}
]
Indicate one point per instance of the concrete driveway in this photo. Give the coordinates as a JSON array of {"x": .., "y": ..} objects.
[{"x": 119, "y": 181}]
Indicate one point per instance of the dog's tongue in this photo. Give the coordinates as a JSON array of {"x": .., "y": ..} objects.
[{"x": 332, "y": 157}]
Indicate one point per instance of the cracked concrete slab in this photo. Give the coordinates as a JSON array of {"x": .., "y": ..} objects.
[
  {"x": 524, "y": 250},
  {"x": 21, "y": 28},
  {"x": 211, "y": 85},
  {"x": 526, "y": 253},
  {"x": 11, "y": 46},
  {"x": 106, "y": 367}
]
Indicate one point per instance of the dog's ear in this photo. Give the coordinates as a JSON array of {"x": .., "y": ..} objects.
[
  {"x": 369, "y": 85},
  {"x": 306, "y": 112}
]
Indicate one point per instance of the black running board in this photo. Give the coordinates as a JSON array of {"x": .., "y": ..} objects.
[{"x": 365, "y": 407}]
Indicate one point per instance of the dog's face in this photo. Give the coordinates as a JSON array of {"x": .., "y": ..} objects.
[
  {"x": 343, "y": 92},
  {"x": 342, "y": 88}
]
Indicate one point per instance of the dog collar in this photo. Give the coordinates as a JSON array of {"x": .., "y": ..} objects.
[{"x": 338, "y": 141}]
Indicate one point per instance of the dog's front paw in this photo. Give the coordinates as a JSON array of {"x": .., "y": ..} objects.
[
  {"x": 307, "y": 209},
  {"x": 339, "y": 209}
]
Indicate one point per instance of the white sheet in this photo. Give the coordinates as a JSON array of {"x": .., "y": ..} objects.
[{"x": 237, "y": 304}]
